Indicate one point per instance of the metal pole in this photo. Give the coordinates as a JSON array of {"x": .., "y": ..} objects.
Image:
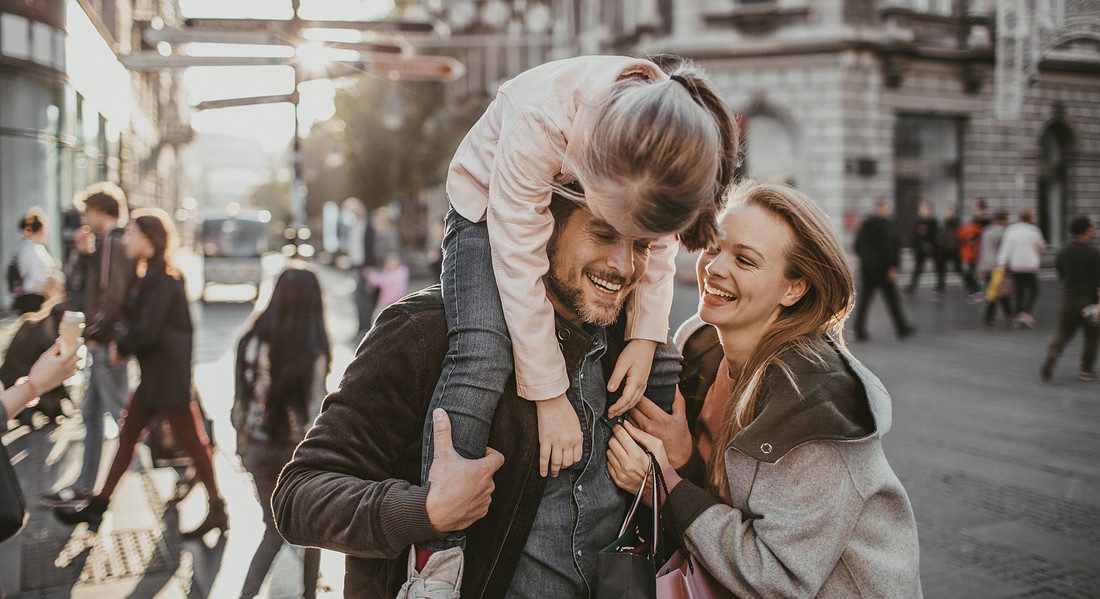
[{"x": 297, "y": 184}]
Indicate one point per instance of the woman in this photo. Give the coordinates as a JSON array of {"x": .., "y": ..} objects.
[
  {"x": 159, "y": 335},
  {"x": 30, "y": 270},
  {"x": 282, "y": 362},
  {"x": 787, "y": 492},
  {"x": 1021, "y": 255}
]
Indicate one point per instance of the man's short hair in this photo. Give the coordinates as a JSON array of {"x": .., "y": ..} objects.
[
  {"x": 1080, "y": 225},
  {"x": 561, "y": 208},
  {"x": 104, "y": 197}
]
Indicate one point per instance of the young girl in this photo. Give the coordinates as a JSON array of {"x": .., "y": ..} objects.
[
  {"x": 652, "y": 154},
  {"x": 281, "y": 367},
  {"x": 159, "y": 334}
]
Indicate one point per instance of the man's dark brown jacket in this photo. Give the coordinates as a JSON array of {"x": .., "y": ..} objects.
[{"x": 353, "y": 485}]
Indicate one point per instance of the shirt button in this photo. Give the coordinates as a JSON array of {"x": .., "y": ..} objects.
[
  {"x": 563, "y": 334},
  {"x": 579, "y": 553},
  {"x": 580, "y": 487},
  {"x": 766, "y": 448}
]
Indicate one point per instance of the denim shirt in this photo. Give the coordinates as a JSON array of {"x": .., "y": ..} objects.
[{"x": 581, "y": 509}]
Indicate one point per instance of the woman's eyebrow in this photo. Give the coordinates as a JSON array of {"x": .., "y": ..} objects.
[{"x": 742, "y": 246}]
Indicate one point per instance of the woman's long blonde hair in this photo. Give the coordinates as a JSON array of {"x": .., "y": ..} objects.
[
  {"x": 668, "y": 149},
  {"x": 816, "y": 256}
]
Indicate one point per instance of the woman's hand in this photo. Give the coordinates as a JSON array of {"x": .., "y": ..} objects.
[
  {"x": 671, "y": 429},
  {"x": 53, "y": 367},
  {"x": 628, "y": 462}
]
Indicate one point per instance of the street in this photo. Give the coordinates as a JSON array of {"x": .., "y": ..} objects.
[{"x": 1003, "y": 471}]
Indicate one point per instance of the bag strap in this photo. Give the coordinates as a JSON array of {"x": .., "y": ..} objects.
[
  {"x": 637, "y": 501},
  {"x": 660, "y": 491}
]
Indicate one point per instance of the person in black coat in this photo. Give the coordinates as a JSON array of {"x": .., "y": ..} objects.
[
  {"x": 925, "y": 242},
  {"x": 878, "y": 245},
  {"x": 158, "y": 332}
]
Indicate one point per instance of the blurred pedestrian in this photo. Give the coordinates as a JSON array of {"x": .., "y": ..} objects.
[
  {"x": 381, "y": 242},
  {"x": 392, "y": 280},
  {"x": 950, "y": 254},
  {"x": 987, "y": 262},
  {"x": 158, "y": 332},
  {"x": 981, "y": 213},
  {"x": 34, "y": 334},
  {"x": 282, "y": 361},
  {"x": 1020, "y": 255},
  {"x": 50, "y": 370},
  {"x": 99, "y": 278},
  {"x": 878, "y": 244},
  {"x": 970, "y": 248},
  {"x": 32, "y": 265},
  {"x": 360, "y": 239},
  {"x": 1079, "y": 269},
  {"x": 925, "y": 242}
]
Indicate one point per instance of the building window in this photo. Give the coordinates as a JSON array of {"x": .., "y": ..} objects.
[
  {"x": 15, "y": 36},
  {"x": 771, "y": 148},
  {"x": 927, "y": 165}
]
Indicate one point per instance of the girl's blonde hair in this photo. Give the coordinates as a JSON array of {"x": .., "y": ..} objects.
[
  {"x": 668, "y": 149},
  {"x": 816, "y": 256}
]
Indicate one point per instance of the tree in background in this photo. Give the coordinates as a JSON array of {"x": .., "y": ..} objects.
[{"x": 389, "y": 142}]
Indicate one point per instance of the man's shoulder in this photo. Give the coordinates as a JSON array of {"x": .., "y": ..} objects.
[
  {"x": 421, "y": 312},
  {"x": 426, "y": 303}
]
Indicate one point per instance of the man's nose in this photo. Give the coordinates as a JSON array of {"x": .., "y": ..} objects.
[{"x": 621, "y": 259}]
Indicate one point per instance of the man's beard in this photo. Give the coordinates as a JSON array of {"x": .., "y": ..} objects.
[{"x": 572, "y": 296}]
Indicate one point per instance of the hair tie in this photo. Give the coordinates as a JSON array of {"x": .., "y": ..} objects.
[{"x": 690, "y": 87}]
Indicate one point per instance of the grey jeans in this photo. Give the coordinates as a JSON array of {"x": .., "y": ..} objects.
[
  {"x": 478, "y": 361},
  {"x": 107, "y": 392}
]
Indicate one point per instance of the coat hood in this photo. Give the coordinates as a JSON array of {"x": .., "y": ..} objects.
[{"x": 831, "y": 396}]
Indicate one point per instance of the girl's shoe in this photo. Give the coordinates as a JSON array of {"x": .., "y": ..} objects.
[
  {"x": 90, "y": 512},
  {"x": 216, "y": 518}
]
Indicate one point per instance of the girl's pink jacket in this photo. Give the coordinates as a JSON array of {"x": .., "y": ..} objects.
[{"x": 503, "y": 173}]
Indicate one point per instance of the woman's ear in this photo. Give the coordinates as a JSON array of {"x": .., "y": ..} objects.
[{"x": 795, "y": 291}]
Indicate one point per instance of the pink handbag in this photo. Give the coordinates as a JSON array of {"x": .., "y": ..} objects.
[{"x": 683, "y": 578}]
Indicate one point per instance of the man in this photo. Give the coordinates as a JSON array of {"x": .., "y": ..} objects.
[
  {"x": 878, "y": 245},
  {"x": 353, "y": 485},
  {"x": 1079, "y": 268},
  {"x": 103, "y": 275},
  {"x": 950, "y": 255},
  {"x": 925, "y": 242}
]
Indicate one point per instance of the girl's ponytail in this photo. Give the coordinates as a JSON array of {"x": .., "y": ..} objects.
[{"x": 705, "y": 227}]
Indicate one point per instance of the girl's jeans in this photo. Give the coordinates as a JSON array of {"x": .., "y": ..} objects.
[{"x": 478, "y": 362}]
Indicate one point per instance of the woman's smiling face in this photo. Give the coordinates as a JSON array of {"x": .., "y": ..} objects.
[{"x": 743, "y": 280}]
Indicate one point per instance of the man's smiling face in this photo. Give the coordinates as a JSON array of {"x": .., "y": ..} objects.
[{"x": 593, "y": 268}]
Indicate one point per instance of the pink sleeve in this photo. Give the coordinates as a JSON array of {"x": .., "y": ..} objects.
[
  {"x": 652, "y": 300},
  {"x": 527, "y": 157}
]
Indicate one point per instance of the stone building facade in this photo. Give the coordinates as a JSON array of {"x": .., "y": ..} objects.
[{"x": 855, "y": 100}]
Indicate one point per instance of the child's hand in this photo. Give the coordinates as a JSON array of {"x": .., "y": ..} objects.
[
  {"x": 560, "y": 440},
  {"x": 634, "y": 365}
]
